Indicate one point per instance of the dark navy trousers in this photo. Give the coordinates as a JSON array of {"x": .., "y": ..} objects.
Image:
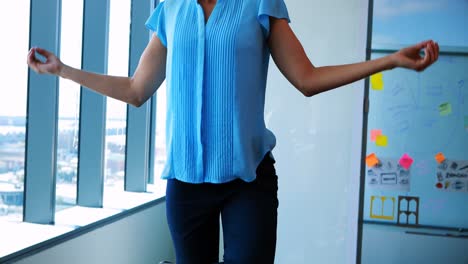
[{"x": 248, "y": 213}]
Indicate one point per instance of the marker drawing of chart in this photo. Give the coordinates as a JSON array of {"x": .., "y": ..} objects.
[{"x": 417, "y": 117}]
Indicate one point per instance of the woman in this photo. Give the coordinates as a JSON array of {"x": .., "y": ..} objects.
[{"x": 215, "y": 57}]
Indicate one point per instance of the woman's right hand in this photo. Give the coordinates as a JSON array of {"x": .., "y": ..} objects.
[{"x": 52, "y": 65}]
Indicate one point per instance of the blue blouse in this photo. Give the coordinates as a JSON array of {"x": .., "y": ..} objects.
[{"x": 216, "y": 76}]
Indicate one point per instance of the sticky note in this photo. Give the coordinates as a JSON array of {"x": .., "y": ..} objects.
[
  {"x": 372, "y": 160},
  {"x": 377, "y": 81},
  {"x": 381, "y": 141},
  {"x": 440, "y": 157},
  {"x": 374, "y": 133},
  {"x": 445, "y": 109},
  {"x": 406, "y": 161}
]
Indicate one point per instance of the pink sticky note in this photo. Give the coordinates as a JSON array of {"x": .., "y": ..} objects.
[
  {"x": 374, "y": 133},
  {"x": 406, "y": 161}
]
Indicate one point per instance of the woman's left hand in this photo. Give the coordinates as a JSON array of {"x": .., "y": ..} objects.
[{"x": 409, "y": 57}]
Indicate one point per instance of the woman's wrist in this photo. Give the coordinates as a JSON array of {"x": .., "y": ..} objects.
[
  {"x": 63, "y": 71},
  {"x": 391, "y": 61}
]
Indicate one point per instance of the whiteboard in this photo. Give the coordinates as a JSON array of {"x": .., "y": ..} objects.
[{"x": 421, "y": 115}]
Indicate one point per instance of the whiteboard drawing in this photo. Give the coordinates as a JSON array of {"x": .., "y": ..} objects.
[
  {"x": 452, "y": 176},
  {"x": 388, "y": 175}
]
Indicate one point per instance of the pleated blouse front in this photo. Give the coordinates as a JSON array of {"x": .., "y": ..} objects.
[{"x": 216, "y": 78}]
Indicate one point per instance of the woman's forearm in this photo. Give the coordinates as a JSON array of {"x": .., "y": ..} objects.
[
  {"x": 112, "y": 86},
  {"x": 291, "y": 59},
  {"x": 321, "y": 79},
  {"x": 135, "y": 90}
]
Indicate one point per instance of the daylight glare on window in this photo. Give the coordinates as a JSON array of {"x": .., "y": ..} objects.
[
  {"x": 13, "y": 91},
  {"x": 69, "y": 106},
  {"x": 116, "y": 115}
]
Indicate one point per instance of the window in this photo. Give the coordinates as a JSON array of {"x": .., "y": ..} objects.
[
  {"x": 119, "y": 33},
  {"x": 69, "y": 105},
  {"x": 15, "y": 18},
  {"x": 13, "y": 92},
  {"x": 400, "y": 22}
]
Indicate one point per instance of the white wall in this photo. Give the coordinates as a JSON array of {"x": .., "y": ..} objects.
[
  {"x": 141, "y": 238},
  {"x": 319, "y": 138}
]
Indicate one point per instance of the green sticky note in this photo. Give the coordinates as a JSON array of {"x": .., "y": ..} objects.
[{"x": 445, "y": 109}]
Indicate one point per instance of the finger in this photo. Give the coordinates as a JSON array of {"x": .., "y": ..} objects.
[
  {"x": 31, "y": 59},
  {"x": 41, "y": 57},
  {"x": 33, "y": 54},
  {"x": 44, "y": 52},
  {"x": 437, "y": 50},
  {"x": 426, "y": 60},
  {"x": 432, "y": 51},
  {"x": 422, "y": 45},
  {"x": 33, "y": 62},
  {"x": 31, "y": 51},
  {"x": 33, "y": 67}
]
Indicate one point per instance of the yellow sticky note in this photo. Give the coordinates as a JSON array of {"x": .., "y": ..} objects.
[
  {"x": 381, "y": 141},
  {"x": 377, "y": 81}
]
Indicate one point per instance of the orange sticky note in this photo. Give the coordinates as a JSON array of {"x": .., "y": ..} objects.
[
  {"x": 440, "y": 157},
  {"x": 372, "y": 160},
  {"x": 381, "y": 141},
  {"x": 374, "y": 133}
]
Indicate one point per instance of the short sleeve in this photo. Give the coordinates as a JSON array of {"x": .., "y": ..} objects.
[
  {"x": 271, "y": 8},
  {"x": 157, "y": 23}
]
